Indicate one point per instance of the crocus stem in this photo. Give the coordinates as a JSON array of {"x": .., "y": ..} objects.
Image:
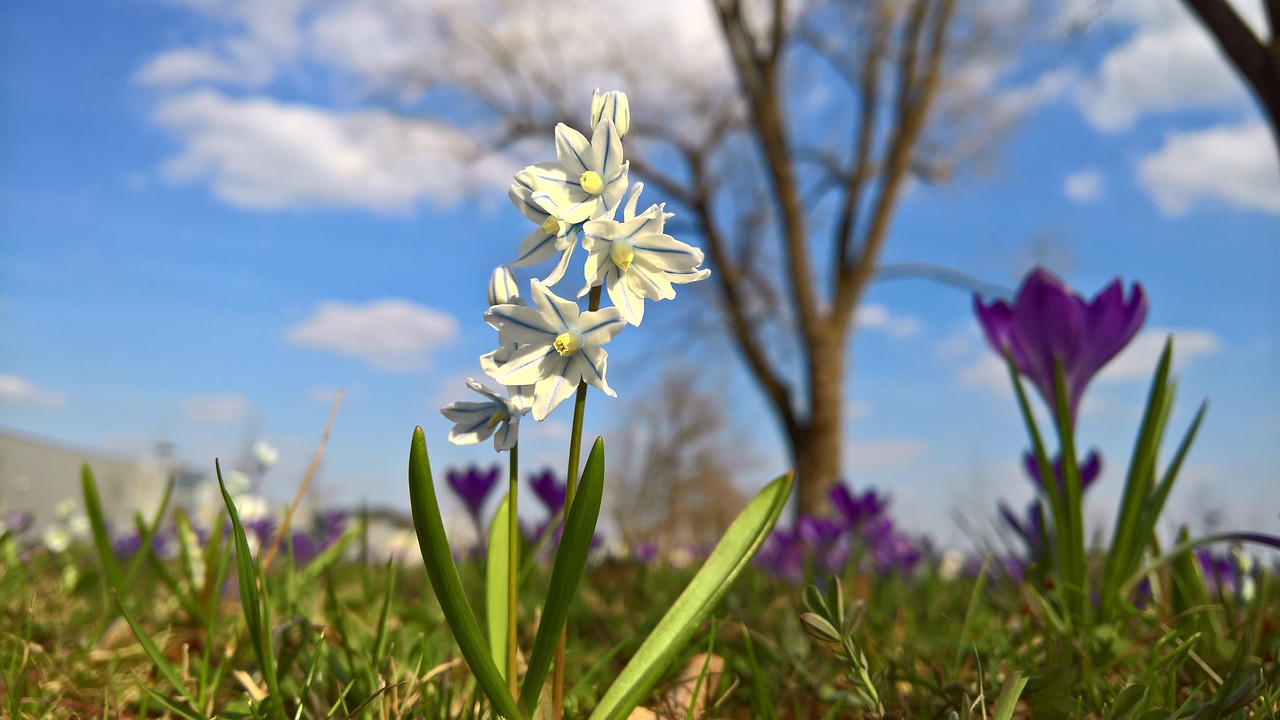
[
  {"x": 571, "y": 486},
  {"x": 513, "y": 567}
]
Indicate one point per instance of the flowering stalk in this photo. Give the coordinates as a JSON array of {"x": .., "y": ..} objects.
[{"x": 513, "y": 566}]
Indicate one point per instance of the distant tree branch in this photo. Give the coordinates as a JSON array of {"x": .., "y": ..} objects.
[{"x": 1257, "y": 62}]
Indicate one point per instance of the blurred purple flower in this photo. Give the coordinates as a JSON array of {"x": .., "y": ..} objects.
[
  {"x": 857, "y": 509},
  {"x": 782, "y": 556},
  {"x": 1219, "y": 571},
  {"x": 472, "y": 487},
  {"x": 891, "y": 550},
  {"x": 306, "y": 547},
  {"x": 1047, "y": 322},
  {"x": 644, "y": 553},
  {"x": 1089, "y": 470},
  {"x": 1031, "y": 528},
  {"x": 125, "y": 546},
  {"x": 17, "y": 523},
  {"x": 549, "y": 490},
  {"x": 828, "y": 544}
]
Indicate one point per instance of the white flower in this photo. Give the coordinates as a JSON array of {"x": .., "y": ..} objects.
[
  {"x": 476, "y": 421},
  {"x": 64, "y": 509},
  {"x": 556, "y": 232},
  {"x": 558, "y": 347},
  {"x": 56, "y": 539},
  {"x": 587, "y": 180},
  {"x": 635, "y": 260},
  {"x": 503, "y": 291},
  {"x": 611, "y": 106},
  {"x": 264, "y": 454}
]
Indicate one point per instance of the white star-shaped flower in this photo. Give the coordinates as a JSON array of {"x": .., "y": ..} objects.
[
  {"x": 587, "y": 180},
  {"x": 558, "y": 347},
  {"x": 503, "y": 291},
  {"x": 475, "y": 421},
  {"x": 635, "y": 260}
]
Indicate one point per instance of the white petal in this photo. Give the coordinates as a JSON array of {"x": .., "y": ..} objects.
[
  {"x": 554, "y": 389},
  {"x": 606, "y": 149},
  {"x": 524, "y": 325},
  {"x": 522, "y": 197},
  {"x": 599, "y": 327},
  {"x": 556, "y": 311},
  {"x": 507, "y": 434},
  {"x": 472, "y": 421},
  {"x": 590, "y": 365},
  {"x": 574, "y": 152},
  {"x": 629, "y": 304},
  {"x": 632, "y": 199},
  {"x": 648, "y": 281},
  {"x": 529, "y": 365},
  {"x": 667, "y": 252},
  {"x": 493, "y": 396},
  {"x": 536, "y": 247},
  {"x": 686, "y": 276},
  {"x": 551, "y": 179}
]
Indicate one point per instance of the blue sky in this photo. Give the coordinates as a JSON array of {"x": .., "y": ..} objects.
[{"x": 205, "y": 230}]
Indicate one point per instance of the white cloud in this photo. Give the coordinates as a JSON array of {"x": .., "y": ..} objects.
[
  {"x": 266, "y": 154},
  {"x": 1229, "y": 165},
  {"x": 1049, "y": 86},
  {"x": 988, "y": 372},
  {"x": 391, "y": 334},
  {"x": 182, "y": 66},
  {"x": 266, "y": 36},
  {"x": 886, "y": 453},
  {"x": 1084, "y": 186},
  {"x": 1138, "y": 360},
  {"x": 874, "y": 316},
  {"x": 1159, "y": 71},
  {"x": 16, "y": 390},
  {"x": 856, "y": 409},
  {"x": 216, "y": 407}
]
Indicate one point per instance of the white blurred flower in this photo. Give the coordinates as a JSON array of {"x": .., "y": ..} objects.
[
  {"x": 265, "y": 455},
  {"x": 78, "y": 525},
  {"x": 252, "y": 507},
  {"x": 950, "y": 565},
  {"x": 56, "y": 539},
  {"x": 236, "y": 482},
  {"x": 64, "y": 509}
]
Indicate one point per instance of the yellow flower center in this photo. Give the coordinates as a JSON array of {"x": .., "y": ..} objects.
[
  {"x": 622, "y": 255},
  {"x": 592, "y": 182},
  {"x": 498, "y": 417},
  {"x": 550, "y": 226},
  {"x": 567, "y": 343}
]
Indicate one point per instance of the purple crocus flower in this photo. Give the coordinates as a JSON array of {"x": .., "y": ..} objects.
[
  {"x": 857, "y": 510},
  {"x": 549, "y": 490},
  {"x": 472, "y": 486},
  {"x": 1089, "y": 470},
  {"x": 1031, "y": 529},
  {"x": 782, "y": 556},
  {"x": 1047, "y": 322}
]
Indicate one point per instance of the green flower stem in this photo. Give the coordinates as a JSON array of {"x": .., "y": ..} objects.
[
  {"x": 1072, "y": 536},
  {"x": 571, "y": 487},
  {"x": 513, "y": 567}
]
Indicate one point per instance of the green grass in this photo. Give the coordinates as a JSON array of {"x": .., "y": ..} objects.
[{"x": 346, "y": 639}]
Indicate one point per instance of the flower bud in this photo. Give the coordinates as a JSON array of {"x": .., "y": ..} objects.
[
  {"x": 613, "y": 106},
  {"x": 502, "y": 287}
]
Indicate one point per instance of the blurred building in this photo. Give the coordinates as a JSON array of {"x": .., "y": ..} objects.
[{"x": 36, "y": 475}]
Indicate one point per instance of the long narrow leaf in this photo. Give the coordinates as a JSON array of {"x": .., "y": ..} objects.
[
  {"x": 566, "y": 573},
  {"x": 731, "y": 555},
  {"x": 444, "y": 580},
  {"x": 157, "y": 655},
  {"x": 1009, "y": 694},
  {"x": 252, "y": 602},
  {"x": 1125, "y": 541},
  {"x": 495, "y": 585},
  {"x": 98, "y": 526}
]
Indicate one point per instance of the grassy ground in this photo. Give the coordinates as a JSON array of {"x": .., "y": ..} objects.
[{"x": 365, "y": 640}]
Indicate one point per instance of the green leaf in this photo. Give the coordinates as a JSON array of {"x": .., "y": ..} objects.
[
  {"x": 1009, "y": 694},
  {"x": 566, "y": 574},
  {"x": 157, "y": 656},
  {"x": 970, "y": 616},
  {"x": 760, "y": 697},
  {"x": 1127, "y": 542},
  {"x": 444, "y": 580},
  {"x": 253, "y": 603},
  {"x": 98, "y": 526},
  {"x": 743, "y": 538},
  {"x": 495, "y": 585}
]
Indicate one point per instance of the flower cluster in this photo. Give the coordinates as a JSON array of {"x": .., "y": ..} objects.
[
  {"x": 824, "y": 546},
  {"x": 548, "y": 348}
]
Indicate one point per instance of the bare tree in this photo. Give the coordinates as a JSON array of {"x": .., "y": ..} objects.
[
  {"x": 675, "y": 488},
  {"x": 782, "y": 133},
  {"x": 1257, "y": 60}
]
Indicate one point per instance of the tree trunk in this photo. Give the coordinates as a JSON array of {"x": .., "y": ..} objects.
[{"x": 816, "y": 442}]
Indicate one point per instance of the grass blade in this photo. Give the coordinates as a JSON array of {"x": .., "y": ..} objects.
[
  {"x": 566, "y": 573},
  {"x": 730, "y": 556},
  {"x": 157, "y": 655},
  {"x": 444, "y": 580},
  {"x": 98, "y": 526},
  {"x": 1009, "y": 694}
]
